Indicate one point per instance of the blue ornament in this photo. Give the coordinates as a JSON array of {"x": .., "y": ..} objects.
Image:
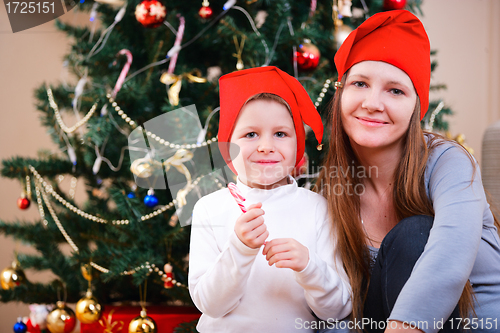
[
  {"x": 150, "y": 200},
  {"x": 131, "y": 195},
  {"x": 20, "y": 327}
]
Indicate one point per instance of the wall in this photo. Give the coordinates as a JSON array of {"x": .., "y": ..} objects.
[{"x": 466, "y": 34}]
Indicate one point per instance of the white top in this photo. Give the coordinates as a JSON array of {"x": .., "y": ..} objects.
[{"x": 234, "y": 286}]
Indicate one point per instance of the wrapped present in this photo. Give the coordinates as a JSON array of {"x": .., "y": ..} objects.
[{"x": 115, "y": 319}]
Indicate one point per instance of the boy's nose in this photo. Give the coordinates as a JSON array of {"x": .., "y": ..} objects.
[
  {"x": 373, "y": 101},
  {"x": 266, "y": 145}
]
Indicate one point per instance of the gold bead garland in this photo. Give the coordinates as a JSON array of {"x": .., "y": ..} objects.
[
  {"x": 323, "y": 92},
  {"x": 153, "y": 136},
  {"x": 61, "y": 123}
]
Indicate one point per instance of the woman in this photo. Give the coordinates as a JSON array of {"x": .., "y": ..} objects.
[{"x": 409, "y": 209}]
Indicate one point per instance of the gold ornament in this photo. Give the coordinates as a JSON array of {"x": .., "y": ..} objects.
[
  {"x": 61, "y": 320},
  {"x": 12, "y": 276},
  {"x": 142, "y": 324},
  {"x": 87, "y": 272},
  {"x": 239, "y": 51},
  {"x": 176, "y": 82},
  {"x": 341, "y": 33},
  {"x": 88, "y": 309}
]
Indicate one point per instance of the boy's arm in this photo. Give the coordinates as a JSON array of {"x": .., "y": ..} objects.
[
  {"x": 217, "y": 277},
  {"x": 325, "y": 283}
]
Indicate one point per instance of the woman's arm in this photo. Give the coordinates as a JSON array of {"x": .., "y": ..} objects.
[{"x": 439, "y": 276}]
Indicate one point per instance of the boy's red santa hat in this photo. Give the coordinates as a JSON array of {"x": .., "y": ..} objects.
[
  {"x": 236, "y": 88},
  {"x": 396, "y": 37}
]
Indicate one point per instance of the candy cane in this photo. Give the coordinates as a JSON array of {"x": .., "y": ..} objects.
[
  {"x": 235, "y": 192},
  {"x": 178, "y": 40},
  {"x": 124, "y": 72}
]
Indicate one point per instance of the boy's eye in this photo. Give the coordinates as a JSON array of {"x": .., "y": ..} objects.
[
  {"x": 280, "y": 134},
  {"x": 251, "y": 135}
]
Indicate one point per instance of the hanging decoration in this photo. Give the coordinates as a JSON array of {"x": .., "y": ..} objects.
[
  {"x": 341, "y": 33},
  {"x": 59, "y": 120},
  {"x": 176, "y": 83},
  {"x": 153, "y": 136},
  {"x": 177, "y": 44},
  {"x": 13, "y": 276},
  {"x": 168, "y": 277},
  {"x": 239, "y": 50},
  {"x": 25, "y": 200},
  {"x": 142, "y": 323},
  {"x": 124, "y": 71},
  {"x": 307, "y": 56},
  {"x": 151, "y": 200},
  {"x": 394, "y": 4},
  {"x": 177, "y": 161},
  {"x": 20, "y": 326},
  {"x": 205, "y": 11},
  {"x": 62, "y": 319},
  {"x": 88, "y": 309},
  {"x": 37, "y": 320},
  {"x": 150, "y": 13}
]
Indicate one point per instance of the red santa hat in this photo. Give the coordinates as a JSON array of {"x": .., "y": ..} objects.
[
  {"x": 236, "y": 88},
  {"x": 396, "y": 37}
]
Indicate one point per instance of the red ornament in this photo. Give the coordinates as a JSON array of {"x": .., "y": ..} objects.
[
  {"x": 205, "y": 12},
  {"x": 394, "y": 4},
  {"x": 23, "y": 203},
  {"x": 33, "y": 328},
  {"x": 307, "y": 56},
  {"x": 169, "y": 276},
  {"x": 150, "y": 13}
]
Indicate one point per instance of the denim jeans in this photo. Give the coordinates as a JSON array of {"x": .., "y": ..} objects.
[{"x": 397, "y": 256}]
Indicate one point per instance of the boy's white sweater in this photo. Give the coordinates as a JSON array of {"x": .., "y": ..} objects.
[{"x": 234, "y": 286}]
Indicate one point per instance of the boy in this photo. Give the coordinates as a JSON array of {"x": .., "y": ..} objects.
[{"x": 236, "y": 288}]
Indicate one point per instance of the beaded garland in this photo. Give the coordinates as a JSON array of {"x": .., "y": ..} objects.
[{"x": 153, "y": 136}]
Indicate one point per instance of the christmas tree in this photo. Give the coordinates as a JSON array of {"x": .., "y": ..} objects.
[{"x": 145, "y": 137}]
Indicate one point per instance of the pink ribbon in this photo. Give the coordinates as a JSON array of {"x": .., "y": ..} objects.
[
  {"x": 235, "y": 192},
  {"x": 124, "y": 72},
  {"x": 178, "y": 40}
]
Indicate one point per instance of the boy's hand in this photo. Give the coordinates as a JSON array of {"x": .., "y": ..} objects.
[
  {"x": 286, "y": 253},
  {"x": 250, "y": 227}
]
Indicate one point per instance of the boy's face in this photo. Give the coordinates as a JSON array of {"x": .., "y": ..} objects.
[{"x": 265, "y": 134}]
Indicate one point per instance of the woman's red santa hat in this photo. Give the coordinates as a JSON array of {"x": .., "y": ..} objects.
[
  {"x": 236, "y": 88},
  {"x": 396, "y": 37}
]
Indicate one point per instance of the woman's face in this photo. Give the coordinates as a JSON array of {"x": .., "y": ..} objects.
[{"x": 378, "y": 101}]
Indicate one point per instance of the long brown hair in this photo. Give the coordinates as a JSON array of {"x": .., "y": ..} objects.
[{"x": 409, "y": 194}]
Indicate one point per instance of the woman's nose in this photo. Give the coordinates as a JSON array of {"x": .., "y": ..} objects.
[{"x": 373, "y": 101}]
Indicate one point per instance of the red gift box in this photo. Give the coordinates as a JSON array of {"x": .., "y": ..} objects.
[{"x": 166, "y": 317}]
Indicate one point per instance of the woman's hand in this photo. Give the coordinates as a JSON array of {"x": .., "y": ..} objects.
[
  {"x": 394, "y": 326},
  {"x": 286, "y": 253},
  {"x": 250, "y": 227}
]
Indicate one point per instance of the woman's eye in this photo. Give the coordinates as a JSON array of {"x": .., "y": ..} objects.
[
  {"x": 397, "y": 91},
  {"x": 359, "y": 84},
  {"x": 280, "y": 134},
  {"x": 251, "y": 135}
]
